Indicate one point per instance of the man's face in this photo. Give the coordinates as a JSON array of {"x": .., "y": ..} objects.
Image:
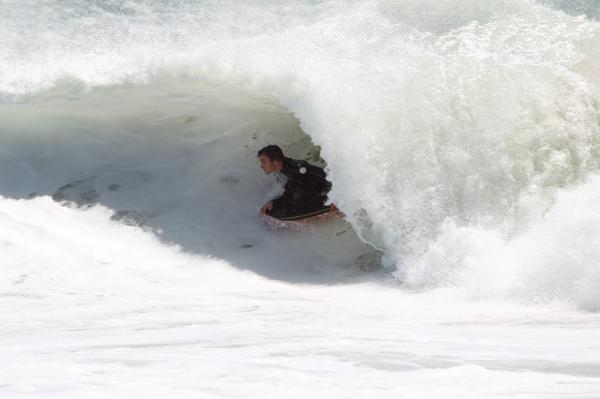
[{"x": 267, "y": 165}]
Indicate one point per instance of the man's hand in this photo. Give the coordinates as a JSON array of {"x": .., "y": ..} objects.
[{"x": 266, "y": 207}]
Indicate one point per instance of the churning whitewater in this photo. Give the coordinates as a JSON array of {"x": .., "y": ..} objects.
[{"x": 462, "y": 140}]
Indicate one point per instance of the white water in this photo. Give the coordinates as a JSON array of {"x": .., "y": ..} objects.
[{"x": 462, "y": 141}]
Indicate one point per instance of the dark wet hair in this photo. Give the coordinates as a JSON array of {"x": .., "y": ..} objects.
[{"x": 272, "y": 152}]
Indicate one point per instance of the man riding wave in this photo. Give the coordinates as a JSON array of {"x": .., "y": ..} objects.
[{"x": 305, "y": 190}]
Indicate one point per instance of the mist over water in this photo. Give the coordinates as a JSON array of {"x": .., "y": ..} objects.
[{"x": 453, "y": 131}]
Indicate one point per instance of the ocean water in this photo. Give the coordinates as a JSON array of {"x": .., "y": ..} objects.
[{"x": 462, "y": 138}]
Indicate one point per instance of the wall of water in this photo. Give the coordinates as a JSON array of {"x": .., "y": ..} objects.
[{"x": 462, "y": 136}]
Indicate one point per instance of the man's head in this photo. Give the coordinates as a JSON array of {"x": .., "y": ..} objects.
[{"x": 270, "y": 159}]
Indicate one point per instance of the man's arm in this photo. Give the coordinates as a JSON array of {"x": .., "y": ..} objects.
[{"x": 282, "y": 202}]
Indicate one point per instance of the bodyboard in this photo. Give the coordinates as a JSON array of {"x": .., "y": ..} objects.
[{"x": 305, "y": 222}]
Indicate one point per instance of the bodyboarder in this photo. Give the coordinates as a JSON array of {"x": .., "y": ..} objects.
[{"x": 305, "y": 190}]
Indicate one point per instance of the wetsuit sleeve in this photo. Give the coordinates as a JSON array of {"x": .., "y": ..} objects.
[{"x": 284, "y": 201}]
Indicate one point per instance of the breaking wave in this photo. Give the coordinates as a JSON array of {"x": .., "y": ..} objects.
[{"x": 462, "y": 137}]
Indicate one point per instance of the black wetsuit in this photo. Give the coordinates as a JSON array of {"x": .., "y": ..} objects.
[{"x": 305, "y": 191}]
